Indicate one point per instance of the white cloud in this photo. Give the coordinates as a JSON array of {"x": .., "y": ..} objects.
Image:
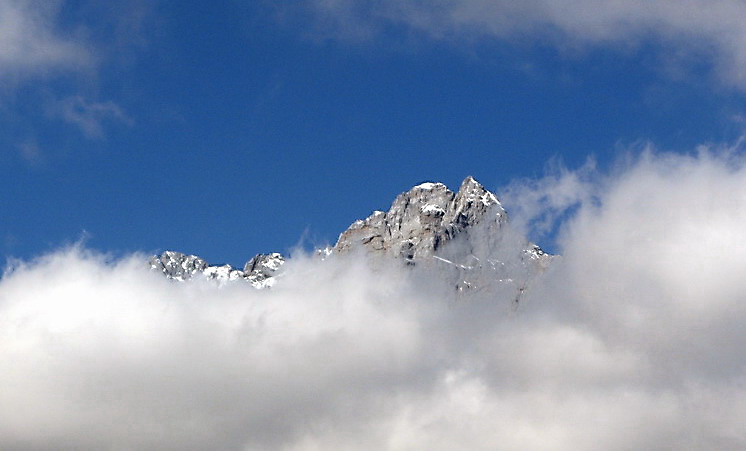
[
  {"x": 538, "y": 205},
  {"x": 692, "y": 28},
  {"x": 53, "y": 49},
  {"x": 634, "y": 340},
  {"x": 32, "y": 43}
]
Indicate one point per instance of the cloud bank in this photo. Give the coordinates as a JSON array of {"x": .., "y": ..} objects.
[
  {"x": 688, "y": 30},
  {"x": 632, "y": 340}
]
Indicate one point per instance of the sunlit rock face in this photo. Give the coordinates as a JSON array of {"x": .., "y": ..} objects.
[
  {"x": 424, "y": 218},
  {"x": 462, "y": 235}
]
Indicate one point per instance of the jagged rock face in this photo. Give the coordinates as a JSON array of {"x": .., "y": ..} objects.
[
  {"x": 262, "y": 268},
  {"x": 424, "y": 218},
  {"x": 178, "y": 266},
  {"x": 462, "y": 236},
  {"x": 260, "y": 271}
]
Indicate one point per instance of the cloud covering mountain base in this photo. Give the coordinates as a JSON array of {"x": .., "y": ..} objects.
[{"x": 633, "y": 339}]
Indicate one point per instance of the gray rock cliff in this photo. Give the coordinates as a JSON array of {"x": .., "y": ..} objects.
[
  {"x": 424, "y": 218},
  {"x": 464, "y": 233}
]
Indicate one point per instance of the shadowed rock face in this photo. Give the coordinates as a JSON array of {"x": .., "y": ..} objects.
[
  {"x": 178, "y": 266},
  {"x": 262, "y": 268},
  {"x": 258, "y": 271},
  {"x": 463, "y": 234},
  {"x": 423, "y": 219}
]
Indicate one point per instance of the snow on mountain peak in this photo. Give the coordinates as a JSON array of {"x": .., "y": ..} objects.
[
  {"x": 259, "y": 271},
  {"x": 428, "y": 185},
  {"x": 416, "y": 228}
]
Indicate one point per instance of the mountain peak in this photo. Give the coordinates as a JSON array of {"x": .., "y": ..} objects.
[
  {"x": 420, "y": 220},
  {"x": 472, "y": 190},
  {"x": 470, "y": 181},
  {"x": 416, "y": 227},
  {"x": 259, "y": 271}
]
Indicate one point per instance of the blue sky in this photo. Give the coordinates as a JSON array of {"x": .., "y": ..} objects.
[{"x": 230, "y": 128}]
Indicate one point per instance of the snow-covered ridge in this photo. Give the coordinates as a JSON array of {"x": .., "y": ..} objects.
[
  {"x": 260, "y": 271},
  {"x": 418, "y": 228}
]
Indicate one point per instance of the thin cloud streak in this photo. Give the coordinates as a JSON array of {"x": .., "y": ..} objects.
[
  {"x": 632, "y": 340},
  {"x": 692, "y": 30},
  {"x": 88, "y": 116}
]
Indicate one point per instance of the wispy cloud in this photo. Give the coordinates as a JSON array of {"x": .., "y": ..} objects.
[
  {"x": 31, "y": 153},
  {"x": 88, "y": 116},
  {"x": 539, "y": 205},
  {"x": 32, "y": 42},
  {"x": 633, "y": 340},
  {"x": 698, "y": 29},
  {"x": 55, "y": 50}
]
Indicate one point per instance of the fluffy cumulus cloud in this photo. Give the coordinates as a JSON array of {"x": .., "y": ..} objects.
[
  {"x": 633, "y": 339},
  {"x": 691, "y": 28}
]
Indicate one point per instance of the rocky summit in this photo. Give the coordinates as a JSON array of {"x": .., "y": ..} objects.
[
  {"x": 423, "y": 219},
  {"x": 259, "y": 271},
  {"x": 465, "y": 234}
]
